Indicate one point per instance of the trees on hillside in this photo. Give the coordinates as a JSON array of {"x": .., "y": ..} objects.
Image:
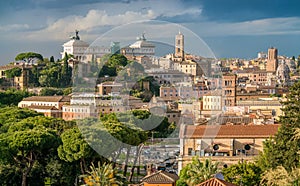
[
  {"x": 56, "y": 74},
  {"x": 28, "y": 144},
  {"x": 12, "y": 97},
  {"x": 25, "y": 143}
]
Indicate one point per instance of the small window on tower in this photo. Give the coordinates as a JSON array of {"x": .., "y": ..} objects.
[{"x": 178, "y": 42}]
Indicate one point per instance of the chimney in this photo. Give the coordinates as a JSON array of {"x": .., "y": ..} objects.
[{"x": 149, "y": 169}]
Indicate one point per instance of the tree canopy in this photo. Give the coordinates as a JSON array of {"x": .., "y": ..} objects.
[
  {"x": 243, "y": 173},
  {"x": 196, "y": 172},
  {"x": 283, "y": 148},
  {"x": 14, "y": 72},
  {"x": 29, "y": 56}
]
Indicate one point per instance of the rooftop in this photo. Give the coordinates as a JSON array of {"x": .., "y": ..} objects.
[
  {"x": 48, "y": 98},
  {"x": 160, "y": 177},
  {"x": 216, "y": 182},
  {"x": 229, "y": 131}
]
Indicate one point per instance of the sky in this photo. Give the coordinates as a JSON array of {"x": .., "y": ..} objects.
[{"x": 227, "y": 28}]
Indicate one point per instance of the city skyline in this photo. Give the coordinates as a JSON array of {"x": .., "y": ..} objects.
[{"x": 230, "y": 28}]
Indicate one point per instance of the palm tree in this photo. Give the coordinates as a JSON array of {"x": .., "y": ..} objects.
[
  {"x": 104, "y": 175},
  {"x": 201, "y": 171}
]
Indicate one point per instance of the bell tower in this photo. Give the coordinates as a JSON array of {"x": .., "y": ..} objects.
[
  {"x": 179, "y": 45},
  {"x": 272, "y": 62}
]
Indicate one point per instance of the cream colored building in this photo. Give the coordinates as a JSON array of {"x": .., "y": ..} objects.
[
  {"x": 271, "y": 106},
  {"x": 227, "y": 144},
  {"x": 48, "y": 105},
  {"x": 82, "y": 51},
  {"x": 213, "y": 100}
]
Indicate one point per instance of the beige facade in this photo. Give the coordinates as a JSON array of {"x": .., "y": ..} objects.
[
  {"x": 109, "y": 88},
  {"x": 227, "y": 144},
  {"x": 49, "y": 105},
  {"x": 212, "y": 100},
  {"x": 269, "y": 105},
  {"x": 18, "y": 82},
  {"x": 189, "y": 67}
]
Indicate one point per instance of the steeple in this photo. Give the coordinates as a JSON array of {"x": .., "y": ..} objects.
[{"x": 179, "y": 45}]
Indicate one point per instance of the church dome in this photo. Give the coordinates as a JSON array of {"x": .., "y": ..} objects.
[{"x": 283, "y": 73}]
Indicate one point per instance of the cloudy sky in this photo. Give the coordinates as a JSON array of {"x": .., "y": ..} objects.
[{"x": 230, "y": 28}]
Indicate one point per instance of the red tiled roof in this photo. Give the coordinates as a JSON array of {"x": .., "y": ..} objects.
[
  {"x": 42, "y": 107},
  {"x": 48, "y": 98},
  {"x": 160, "y": 177},
  {"x": 216, "y": 182},
  {"x": 229, "y": 131}
]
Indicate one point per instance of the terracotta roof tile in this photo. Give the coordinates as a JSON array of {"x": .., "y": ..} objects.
[
  {"x": 160, "y": 177},
  {"x": 48, "y": 98},
  {"x": 229, "y": 131},
  {"x": 42, "y": 107},
  {"x": 216, "y": 182}
]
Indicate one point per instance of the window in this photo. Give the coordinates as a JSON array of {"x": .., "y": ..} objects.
[{"x": 190, "y": 151}]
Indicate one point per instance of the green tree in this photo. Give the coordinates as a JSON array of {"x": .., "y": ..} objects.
[
  {"x": 52, "y": 59},
  {"x": 282, "y": 150},
  {"x": 196, "y": 172},
  {"x": 50, "y": 75},
  {"x": 51, "y": 92},
  {"x": 13, "y": 97},
  {"x": 25, "y": 144},
  {"x": 243, "y": 173},
  {"x": 14, "y": 72},
  {"x": 280, "y": 176},
  {"x": 34, "y": 76},
  {"x": 29, "y": 56},
  {"x": 103, "y": 175},
  {"x": 11, "y": 115},
  {"x": 117, "y": 61},
  {"x": 66, "y": 73},
  {"x": 75, "y": 148}
]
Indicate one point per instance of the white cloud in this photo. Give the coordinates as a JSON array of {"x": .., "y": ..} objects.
[
  {"x": 94, "y": 18},
  {"x": 14, "y": 27},
  {"x": 271, "y": 26},
  {"x": 105, "y": 14}
]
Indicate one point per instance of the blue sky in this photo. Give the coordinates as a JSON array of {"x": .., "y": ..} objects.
[{"x": 231, "y": 28}]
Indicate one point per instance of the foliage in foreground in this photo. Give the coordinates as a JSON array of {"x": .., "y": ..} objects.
[
  {"x": 248, "y": 174},
  {"x": 103, "y": 175},
  {"x": 196, "y": 172}
]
